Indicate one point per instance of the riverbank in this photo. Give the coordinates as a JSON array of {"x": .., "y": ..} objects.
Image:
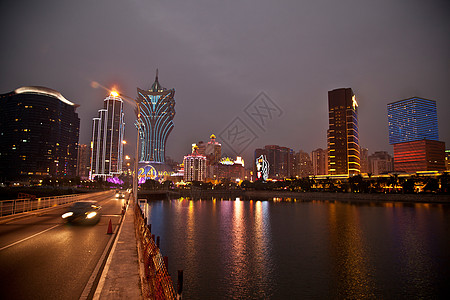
[{"x": 311, "y": 196}]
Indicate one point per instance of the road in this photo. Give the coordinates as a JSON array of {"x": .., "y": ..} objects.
[{"x": 41, "y": 257}]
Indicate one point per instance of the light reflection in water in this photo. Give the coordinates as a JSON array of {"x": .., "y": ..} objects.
[{"x": 295, "y": 250}]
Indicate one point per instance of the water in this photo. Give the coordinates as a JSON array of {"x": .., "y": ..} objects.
[{"x": 303, "y": 250}]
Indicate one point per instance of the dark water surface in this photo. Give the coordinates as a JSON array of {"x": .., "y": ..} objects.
[{"x": 232, "y": 249}]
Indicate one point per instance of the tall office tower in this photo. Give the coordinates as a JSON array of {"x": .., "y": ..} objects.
[
  {"x": 364, "y": 160},
  {"x": 413, "y": 130},
  {"x": 303, "y": 164},
  {"x": 343, "y": 139},
  {"x": 157, "y": 110},
  {"x": 107, "y": 137},
  {"x": 380, "y": 162},
  {"x": 279, "y": 159},
  {"x": 194, "y": 166},
  {"x": 39, "y": 131},
  {"x": 447, "y": 160},
  {"x": 83, "y": 163},
  {"x": 213, "y": 151}
]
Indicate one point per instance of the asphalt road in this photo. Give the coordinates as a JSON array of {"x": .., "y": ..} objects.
[{"x": 42, "y": 257}]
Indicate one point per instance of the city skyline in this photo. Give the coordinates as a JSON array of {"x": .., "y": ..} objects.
[{"x": 220, "y": 61}]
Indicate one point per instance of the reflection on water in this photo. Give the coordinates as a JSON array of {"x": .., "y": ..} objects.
[{"x": 233, "y": 249}]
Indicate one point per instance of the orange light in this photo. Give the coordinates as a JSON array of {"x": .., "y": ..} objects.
[{"x": 114, "y": 94}]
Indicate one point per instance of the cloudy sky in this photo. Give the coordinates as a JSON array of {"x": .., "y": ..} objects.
[{"x": 220, "y": 55}]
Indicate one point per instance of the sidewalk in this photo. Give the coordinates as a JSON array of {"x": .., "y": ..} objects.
[{"x": 120, "y": 278}]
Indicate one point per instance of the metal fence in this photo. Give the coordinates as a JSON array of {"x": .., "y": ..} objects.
[
  {"x": 160, "y": 285},
  {"x": 17, "y": 206}
]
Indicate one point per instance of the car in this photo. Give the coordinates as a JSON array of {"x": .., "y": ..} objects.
[
  {"x": 86, "y": 212},
  {"x": 120, "y": 195}
]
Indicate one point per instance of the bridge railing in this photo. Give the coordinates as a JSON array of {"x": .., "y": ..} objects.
[
  {"x": 160, "y": 285},
  {"x": 17, "y": 206}
]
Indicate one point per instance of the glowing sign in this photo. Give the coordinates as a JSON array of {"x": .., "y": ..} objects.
[
  {"x": 354, "y": 103},
  {"x": 147, "y": 172},
  {"x": 262, "y": 167}
]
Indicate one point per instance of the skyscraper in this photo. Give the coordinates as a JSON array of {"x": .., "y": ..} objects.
[
  {"x": 39, "y": 131},
  {"x": 280, "y": 160},
  {"x": 413, "y": 130},
  {"x": 213, "y": 151},
  {"x": 107, "y": 137},
  {"x": 83, "y": 161},
  {"x": 157, "y": 110},
  {"x": 412, "y": 119},
  {"x": 343, "y": 138}
]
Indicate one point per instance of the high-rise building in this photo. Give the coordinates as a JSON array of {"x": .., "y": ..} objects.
[
  {"x": 83, "y": 164},
  {"x": 413, "y": 130},
  {"x": 303, "y": 164},
  {"x": 107, "y": 138},
  {"x": 380, "y": 162},
  {"x": 157, "y": 110},
  {"x": 39, "y": 131},
  {"x": 280, "y": 160},
  {"x": 343, "y": 138},
  {"x": 447, "y": 160},
  {"x": 319, "y": 159},
  {"x": 213, "y": 151},
  {"x": 412, "y": 119},
  {"x": 194, "y": 166}
]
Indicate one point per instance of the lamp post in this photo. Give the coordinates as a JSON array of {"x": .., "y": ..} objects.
[{"x": 130, "y": 101}]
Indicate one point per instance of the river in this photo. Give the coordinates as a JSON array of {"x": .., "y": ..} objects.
[{"x": 233, "y": 249}]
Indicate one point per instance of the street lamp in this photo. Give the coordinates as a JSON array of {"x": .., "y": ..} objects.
[{"x": 130, "y": 101}]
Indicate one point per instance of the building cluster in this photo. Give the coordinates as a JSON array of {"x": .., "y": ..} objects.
[{"x": 40, "y": 129}]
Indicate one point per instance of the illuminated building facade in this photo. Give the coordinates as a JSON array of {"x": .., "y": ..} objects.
[
  {"x": 157, "y": 110},
  {"x": 412, "y": 119},
  {"x": 280, "y": 160},
  {"x": 39, "y": 131},
  {"x": 343, "y": 138},
  {"x": 422, "y": 155},
  {"x": 319, "y": 159},
  {"x": 413, "y": 131},
  {"x": 107, "y": 139},
  {"x": 194, "y": 166}
]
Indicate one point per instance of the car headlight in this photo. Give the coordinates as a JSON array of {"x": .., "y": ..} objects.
[
  {"x": 91, "y": 215},
  {"x": 67, "y": 214}
]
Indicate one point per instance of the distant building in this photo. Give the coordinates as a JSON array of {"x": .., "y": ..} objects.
[
  {"x": 157, "y": 110},
  {"x": 39, "y": 131},
  {"x": 364, "y": 158},
  {"x": 319, "y": 159},
  {"x": 303, "y": 164},
  {"x": 343, "y": 138},
  {"x": 213, "y": 151},
  {"x": 107, "y": 139},
  {"x": 194, "y": 166},
  {"x": 201, "y": 148},
  {"x": 230, "y": 169},
  {"x": 83, "y": 161},
  {"x": 380, "y": 162},
  {"x": 413, "y": 131},
  {"x": 280, "y": 160}
]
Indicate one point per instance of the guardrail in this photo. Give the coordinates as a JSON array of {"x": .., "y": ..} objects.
[
  {"x": 17, "y": 206},
  {"x": 160, "y": 285}
]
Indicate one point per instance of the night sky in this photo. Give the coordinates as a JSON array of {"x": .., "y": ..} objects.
[{"x": 220, "y": 55}]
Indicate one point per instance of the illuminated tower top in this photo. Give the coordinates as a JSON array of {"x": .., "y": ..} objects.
[{"x": 157, "y": 110}]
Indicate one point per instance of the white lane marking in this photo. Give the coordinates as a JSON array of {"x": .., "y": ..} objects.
[{"x": 27, "y": 238}]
